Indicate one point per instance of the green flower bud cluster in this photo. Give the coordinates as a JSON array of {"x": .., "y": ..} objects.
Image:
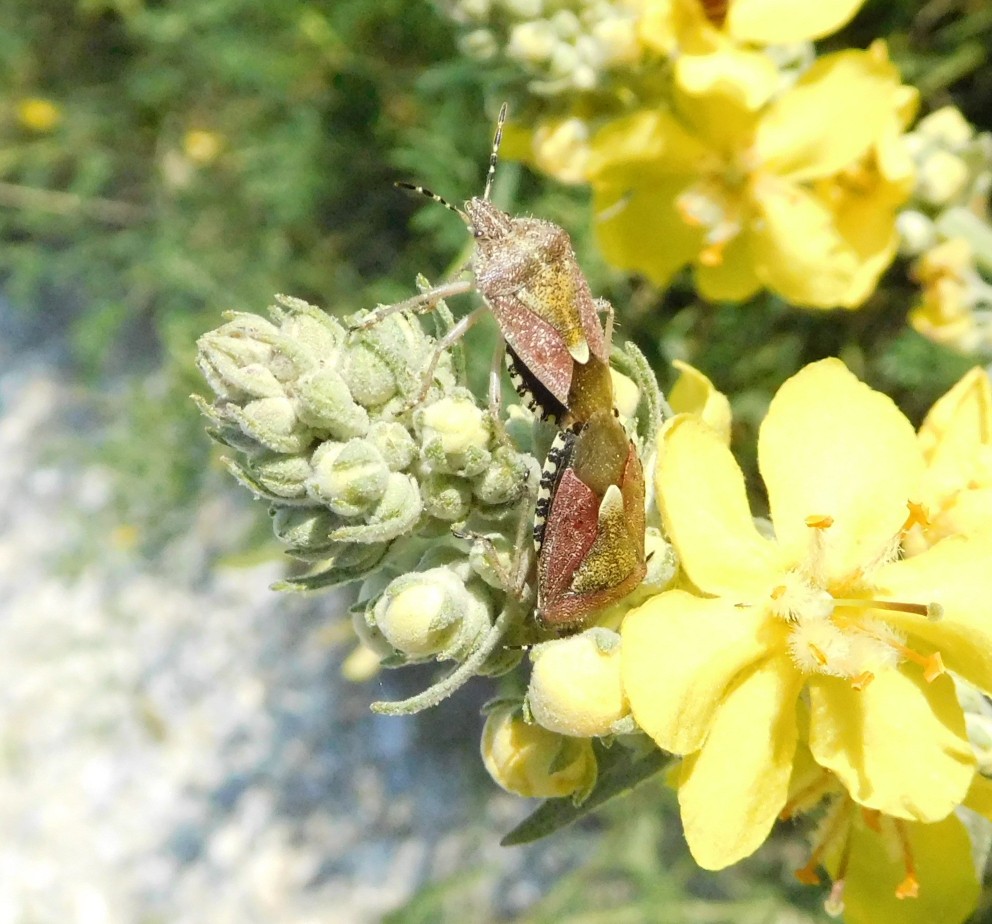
[
  {"x": 323, "y": 423},
  {"x": 953, "y": 182},
  {"x": 562, "y": 46}
]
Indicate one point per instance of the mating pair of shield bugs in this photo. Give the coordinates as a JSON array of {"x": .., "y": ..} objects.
[{"x": 589, "y": 517}]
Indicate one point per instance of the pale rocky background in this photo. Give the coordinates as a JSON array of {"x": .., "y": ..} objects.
[{"x": 176, "y": 741}]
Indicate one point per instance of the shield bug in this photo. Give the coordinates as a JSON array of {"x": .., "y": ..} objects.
[
  {"x": 526, "y": 271},
  {"x": 589, "y": 522}
]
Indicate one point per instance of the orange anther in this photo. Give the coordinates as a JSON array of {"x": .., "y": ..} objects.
[
  {"x": 807, "y": 875},
  {"x": 778, "y": 592},
  {"x": 933, "y": 667},
  {"x": 862, "y": 680},
  {"x": 819, "y": 521},
  {"x": 917, "y": 516},
  {"x": 872, "y": 819},
  {"x": 712, "y": 255},
  {"x": 821, "y": 658},
  {"x": 908, "y": 888}
]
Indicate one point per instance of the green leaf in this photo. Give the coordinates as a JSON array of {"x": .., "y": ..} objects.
[{"x": 619, "y": 774}]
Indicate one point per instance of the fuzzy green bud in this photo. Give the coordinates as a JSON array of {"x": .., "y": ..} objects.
[
  {"x": 506, "y": 477},
  {"x": 281, "y": 475},
  {"x": 455, "y": 435},
  {"x": 304, "y": 528},
  {"x": 233, "y": 359},
  {"x": 531, "y": 761},
  {"x": 325, "y": 403},
  {"x": 446, "y": 497},
  {"x": 429, "y": 614},
  {"x": 397, "y": 512},
  {"x": 575, "y": 687},
  {"x": 348, "y": 477},
  {"x": 394, "y": 443},
  {"x": 274, "y": 423}
]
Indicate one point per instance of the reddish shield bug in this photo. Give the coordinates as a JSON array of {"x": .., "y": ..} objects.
[
  {"x": 589, "y": 522},
  {"x": 526, "y": 271}
]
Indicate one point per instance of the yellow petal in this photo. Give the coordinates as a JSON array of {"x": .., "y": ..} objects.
[
  {"x": 831, "y": 446},
  {"x": 731, "y": 792},
  {"x": 679, "y": 654},
  {"x": 832, "y": 116},
  {"x": 945, "y": 870},
  {"x": 733, "y": 278},
  {"x": 639, "y": 229},
  {"x": 970, "y": 514},
  {"x": 955, "y": 432},
  {"x": 719, "y": 94},
  {"x": 795, "y": 245},
  {"x": 898, "y": 745},
  {"x": 979, "y": 798},
  {"x": 694, "y": 393},
  {"x": 957, "y": 574},
  {"x": 651, "y": 140},
  {"x": 775, "y": 22},
  {"x": 704, "y": 507}
]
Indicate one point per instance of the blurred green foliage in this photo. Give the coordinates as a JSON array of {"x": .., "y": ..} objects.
[{"x": 207, "y": 155}]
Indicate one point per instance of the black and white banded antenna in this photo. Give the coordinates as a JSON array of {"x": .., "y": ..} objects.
[{"x": 494, "y": 153}]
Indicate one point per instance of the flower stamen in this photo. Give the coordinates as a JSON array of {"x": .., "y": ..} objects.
[
  {"x": 910, "y": 886},
  {"x": 862, "y": 680},
  {"x": 841, "y": 819},
  {"x": 917, "y": 517},
  {"x": 819, "y": 521}
]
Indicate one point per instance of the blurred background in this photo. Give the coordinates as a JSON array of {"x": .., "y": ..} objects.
[{"x": 178, "y": 743}]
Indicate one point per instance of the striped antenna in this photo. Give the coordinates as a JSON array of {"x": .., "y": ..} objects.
[
  {"x": 424, "y": 191},
  {"x": 495, "y": 151}
]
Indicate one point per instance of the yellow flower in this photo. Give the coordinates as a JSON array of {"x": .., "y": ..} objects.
[
  {"x": 202, "y": 147},
  {"x": 38, "y": 115},
  {"x": 956, "y": 441},
  {"x": 796, "y": 192},
  {"x": 531, "y": 761},
  {"x": 951, "y": 289},
  {"x": 697, "y": 26},
  {"x": 826, "y": 610}
]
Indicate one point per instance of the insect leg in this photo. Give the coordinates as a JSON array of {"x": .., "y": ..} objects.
[
  {"x": 496, "y": 391},
  {"x": 422, "y": 302}
]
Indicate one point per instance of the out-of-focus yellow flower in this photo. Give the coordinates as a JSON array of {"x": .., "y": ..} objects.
[
  {"x": 827, "y": 609},
  {"x": 956, "y": 440},
  {"x": 796, "y": 192},
  {"x": 700, "y": 26},
  {"x": 952, "y": 293},
  {"x": 531, "y": 761},
  {"x": 575, "y": 686},
  {"x": 37, "y": 114},
  {"x": 202, "y": 147}
]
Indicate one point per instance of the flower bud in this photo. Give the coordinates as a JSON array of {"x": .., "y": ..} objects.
[
  {"x": 479, "y": 44},
  {"x": 429, "y": 613},
  {"x": 532, "y": 42},
  {"x": 349, "y": 477},
  {"x": 315, "y": 331},
  {"x": 304, "y": 528},
  {"x": 531, "y": 761},
  {"x": 281, "y": 475},
  {"x": 396, "y": 513},
  {"x": 273, "y": 422},
  {"x": 326, "y": 404},
  {"x": 386, "y": 360},
  {"x": 575, "y": 686},
  {"x": 505, "y": 479},
  {"x": 917, "y": 232},
  {"x": 523, "y": 9},
  {"x": 946, "y": 126},
  {"x": 233, "y": 359},
  {"x": 454, "y": 435},
  {"x": 941, "y": 178},
  {"x": 446, "y": 497},
  {"x": 394, "y": 443}
]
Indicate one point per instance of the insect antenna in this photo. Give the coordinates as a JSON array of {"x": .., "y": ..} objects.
[
  {"x": 424, "y": 191},
  {"x": 494, "y": 154}
]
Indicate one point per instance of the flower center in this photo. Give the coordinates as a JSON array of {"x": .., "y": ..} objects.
[{"x": 843, "y": 634}]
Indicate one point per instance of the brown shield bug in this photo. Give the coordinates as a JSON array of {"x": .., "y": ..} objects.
[
  {"x": 589, "y": 522},
  {"x": 526, "y": 271}
]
